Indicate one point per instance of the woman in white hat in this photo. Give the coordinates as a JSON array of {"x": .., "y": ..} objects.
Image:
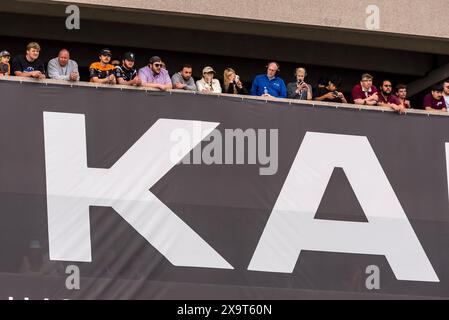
[{"x": 207, "y": 84}]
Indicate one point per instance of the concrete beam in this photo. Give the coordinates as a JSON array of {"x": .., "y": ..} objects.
[
  {"x": 221, "y": 44},
  {"x": 438, "y": 75}
]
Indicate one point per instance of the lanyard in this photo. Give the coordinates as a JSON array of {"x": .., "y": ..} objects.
[{"x": 64, "y": 69}]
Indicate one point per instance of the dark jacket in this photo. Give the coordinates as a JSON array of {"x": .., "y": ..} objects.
[{"x": 239, "y": 91}]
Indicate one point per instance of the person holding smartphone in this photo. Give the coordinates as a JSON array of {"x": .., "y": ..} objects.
[
  {"x": 232, "y": 83},
  {"x": 299, "y": 89},
  {"x": 330, "y": 92}
]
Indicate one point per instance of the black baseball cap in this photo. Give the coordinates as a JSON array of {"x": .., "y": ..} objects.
[
  {"x": 105, "y": 52},
  {"x": 129, "y": 56},
  {"x": 438, "y": 87}
]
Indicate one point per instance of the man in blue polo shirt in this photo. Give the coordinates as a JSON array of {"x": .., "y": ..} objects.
[{"x": 269, "y": 85}]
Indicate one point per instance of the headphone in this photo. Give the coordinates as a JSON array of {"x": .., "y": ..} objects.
[{"x": 277, "y": 65}]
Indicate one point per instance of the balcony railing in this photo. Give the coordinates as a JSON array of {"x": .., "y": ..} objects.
[{"x": 291, "y": 102}]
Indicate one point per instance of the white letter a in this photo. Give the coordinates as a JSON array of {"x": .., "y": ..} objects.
[{"x": 292, "y": 226}]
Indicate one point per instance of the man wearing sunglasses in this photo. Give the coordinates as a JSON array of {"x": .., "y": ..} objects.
[
  {"x": 102, "y": 71},
  {"x": 387, "y": 99},
  {"x": 154, "y": 76}
]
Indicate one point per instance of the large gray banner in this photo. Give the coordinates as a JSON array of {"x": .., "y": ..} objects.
[{"x": 110, "y": 194}]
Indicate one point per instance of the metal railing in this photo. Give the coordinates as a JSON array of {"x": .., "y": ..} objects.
[{"x": 281, "y": 101}]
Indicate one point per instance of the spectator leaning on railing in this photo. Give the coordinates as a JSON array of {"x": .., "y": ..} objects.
[
  {"x": 183, "y": 79},
  {"x": 387, "y": 99},
  {"x": 330, "y": 93},
  {"x": 5, "y": 68},
  {"x": 364, "y": 92},
  {"x": 434, "y": 101},
  {"x": 401, "y": 93},
  {"x": 207, "y": 84},
  {"x": 126, "y": 74},
  {"x": 153, "y": 76},
  {"x": 269, "y": 84},
  {"x": 29, "y": 65},
  {"x": 299, "y": 89},
  {"x": 102, "y": 71},
  {"x": 62, "y": 68}
]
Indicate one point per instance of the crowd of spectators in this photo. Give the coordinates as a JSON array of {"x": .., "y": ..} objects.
[{"x": 269, "y": 84}]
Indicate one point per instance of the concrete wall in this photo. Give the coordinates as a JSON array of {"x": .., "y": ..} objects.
[
  {"x": 410, "y": 17},
  {"x": 338, "y": 22}
]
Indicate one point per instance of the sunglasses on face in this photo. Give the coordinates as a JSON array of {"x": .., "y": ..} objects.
[{"x": 157, "y": 65}]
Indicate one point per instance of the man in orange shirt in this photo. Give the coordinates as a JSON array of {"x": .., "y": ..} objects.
[{"x": 102, "y": 71}]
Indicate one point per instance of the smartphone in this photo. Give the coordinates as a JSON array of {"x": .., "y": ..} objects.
[{"x": 237, "y": 78}]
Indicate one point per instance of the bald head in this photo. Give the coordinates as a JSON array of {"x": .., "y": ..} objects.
[
  {"x": 63, "y": 57},
  {"x": 273, "y": 68}
]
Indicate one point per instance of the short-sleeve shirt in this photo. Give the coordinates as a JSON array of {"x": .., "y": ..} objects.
[
  {"x": 429, "y": 101},
  {"x": 97, "y": 70},
  {"x": 359, "y": 93},
  {"x": 148, "y": 76},
  {"x": 125, "y": 73},
  {"x": 389, "y": 99},
  {"x": 21, "y": 64}
]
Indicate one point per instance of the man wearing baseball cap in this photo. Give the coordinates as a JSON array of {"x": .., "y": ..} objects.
[
  {"x": 126, "y": 74},
  {"x": 102, "y": 71},
  {"x": 207, "y": 84},
  {"x": 153, "y": 76},
  {"x": 5, "y": 69}
]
